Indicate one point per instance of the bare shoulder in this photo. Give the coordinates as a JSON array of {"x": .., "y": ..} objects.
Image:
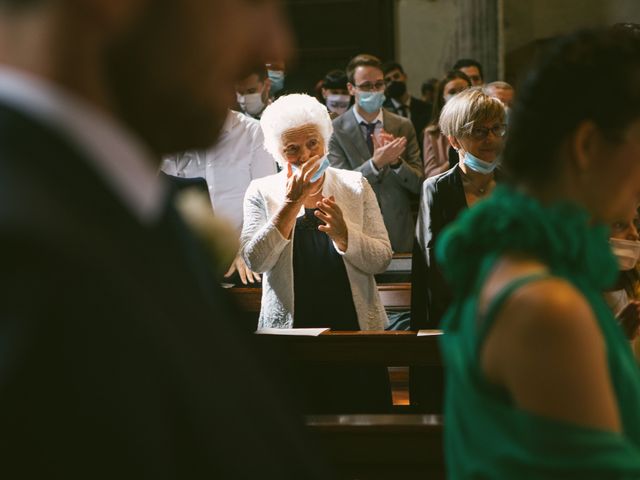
[{"x": 546, "y": 349}]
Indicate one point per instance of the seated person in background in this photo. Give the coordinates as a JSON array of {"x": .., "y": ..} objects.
[
  {"x": 253, "y": 92},
  {"x": 228, "y": 168},
  {"x": 400, "y": 102},
  {"x": 380, "y": 145},
  {"x": 474, "y": 124},
  {"x": 436, "y": 147},
  {"x": 502, "y": 91},
  {"x": 623, "y": 298},
  {"x": 315, "y": 232},
  {"x": 472, "y": 69},
  {"x": 335, "y": 93},
  {"x": 541, "y": 382},
  {"x": 428, "y": 90}
]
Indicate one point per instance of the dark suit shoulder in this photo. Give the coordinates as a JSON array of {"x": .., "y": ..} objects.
[{"x": 450, "y": 178}]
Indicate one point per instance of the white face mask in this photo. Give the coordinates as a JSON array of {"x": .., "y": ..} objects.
[
  {"x": 338, "y": 103},
  {"x": 251, "y": 103},
  {"x": 626, "y": 251}
]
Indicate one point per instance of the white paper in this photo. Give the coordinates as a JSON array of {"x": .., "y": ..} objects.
[
  {"x": 300, "y": 332},
  {"x": 427, "y": 333}
]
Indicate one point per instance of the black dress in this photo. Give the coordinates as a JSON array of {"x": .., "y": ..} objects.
[{"x": 323, "y": 298}]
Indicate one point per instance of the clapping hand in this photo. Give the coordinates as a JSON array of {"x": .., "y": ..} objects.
[
  {"x": 334, "y": 225},
  {"x": 299, "y": 184},
  {"x": 387, "y": 148}
]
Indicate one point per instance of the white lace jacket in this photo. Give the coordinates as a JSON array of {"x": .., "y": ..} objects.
[{"x": 266, "y": 251}]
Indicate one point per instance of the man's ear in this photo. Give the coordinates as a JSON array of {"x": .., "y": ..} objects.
[
  {"x": 585, "y": 145},
  {"x": 352, "y": 89}
]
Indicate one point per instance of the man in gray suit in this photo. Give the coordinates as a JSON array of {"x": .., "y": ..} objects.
[{"x": 380, "y": 145}]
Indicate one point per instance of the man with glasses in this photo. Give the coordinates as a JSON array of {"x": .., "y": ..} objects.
[{"x": 380, "y": 145}]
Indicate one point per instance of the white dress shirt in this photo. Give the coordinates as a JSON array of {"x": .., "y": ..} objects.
[
  {"x": 228, "y": 167},
  {"x": 122, "y": 160}
]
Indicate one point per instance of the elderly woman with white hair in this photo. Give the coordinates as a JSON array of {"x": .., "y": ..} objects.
[{"x": 315, "y": 232}]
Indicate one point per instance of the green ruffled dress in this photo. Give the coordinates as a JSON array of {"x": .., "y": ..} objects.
[{"x": 486, "y": 435}]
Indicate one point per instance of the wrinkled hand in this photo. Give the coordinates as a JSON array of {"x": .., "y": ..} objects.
[
  {"x": 629, "y": 319},
  {"x": 246, "y": 275},
  {"x": 329, "y": 212},
  {"x": 299, "y": 184},
  {"x": 387, "y": 149}
]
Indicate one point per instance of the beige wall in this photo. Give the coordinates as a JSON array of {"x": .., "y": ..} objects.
[{"x": 425, "y": 26}]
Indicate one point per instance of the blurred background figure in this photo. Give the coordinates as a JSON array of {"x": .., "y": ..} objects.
[
  {"x": 401, "y": 102},
  {"x": 624, "y": 297},
  {"x": 428, "y": 90},
  {"x": 335, "y": 93},
  {"x": 502, "y": 91},
  {"x": 472, "y": 69},
  {"x": 277, "y": 76},
  {"x": 439, "y": 156},
  {"x": 118, "y": 343},
  {"x": 237, "y": 158},
  {"x": 253, "y": 92}
]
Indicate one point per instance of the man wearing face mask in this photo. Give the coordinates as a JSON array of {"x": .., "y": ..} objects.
[
  {"x": 252, "y": 93},
  {"x": 277, "y": 75},
  {"x": 624, "y": 298},
  {"x": 380, "y": 145},
  {"x": 335, "y": 93},
  {"x": 400, "y": 102}
]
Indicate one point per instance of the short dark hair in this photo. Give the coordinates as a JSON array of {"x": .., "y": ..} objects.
[
  {"x": 546, "y": 113},
  {"x": 335, "y": 80},
  {"x": 362, "y": 60},
  {"x": 391, "y": 66},
  {"x": 468, "y": 62},
  {"x": 429, "y": 86}
]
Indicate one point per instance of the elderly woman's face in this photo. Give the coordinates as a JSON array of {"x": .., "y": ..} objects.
[
  {"x": 485, "y": 140},
  {"x": 302, "y": 143}
]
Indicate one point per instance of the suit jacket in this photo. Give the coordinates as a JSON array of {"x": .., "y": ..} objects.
[
  {"x": 420, "y": 115},
  {"x": 393, "y": 189},
  {"x": 120, "y": 356},
  {"x": 441, "y": 202}
]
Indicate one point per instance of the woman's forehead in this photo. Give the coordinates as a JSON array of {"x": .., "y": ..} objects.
[{"x": 300, "y": 134}]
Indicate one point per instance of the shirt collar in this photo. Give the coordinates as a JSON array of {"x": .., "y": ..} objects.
[
  {"x": 398, "y": 104},
  {"x": 119, "y": 157},
  {"x": 359, "y": 118}
]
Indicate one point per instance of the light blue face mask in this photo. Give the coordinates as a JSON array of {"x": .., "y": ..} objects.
[
  {"x": 371, "y": 102},
  {"x": 277, "y": 80},
  {"x": 477, "y": 165},
  {"x": 324, "y": 164}
]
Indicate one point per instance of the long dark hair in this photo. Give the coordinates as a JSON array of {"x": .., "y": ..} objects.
[{"x": 438, "y": 102}]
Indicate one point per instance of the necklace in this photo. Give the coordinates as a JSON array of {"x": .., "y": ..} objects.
[
  {"x": 319, "y": 190},
  {"x": 479, "y": 190}
]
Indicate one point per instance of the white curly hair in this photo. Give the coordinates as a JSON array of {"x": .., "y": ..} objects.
[{"x": 289, "y": 112}]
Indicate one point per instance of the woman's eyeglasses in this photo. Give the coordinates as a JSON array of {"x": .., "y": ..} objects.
[{"x": 480, "y": 133}]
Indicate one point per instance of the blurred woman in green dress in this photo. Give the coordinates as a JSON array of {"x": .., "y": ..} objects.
[{"x": 541, "y": 381}]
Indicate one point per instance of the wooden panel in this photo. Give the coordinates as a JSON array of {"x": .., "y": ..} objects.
[
  {"x": 330, "y": 32},
  {"x": 381, "y": 446},
  {"x": 392, "y": 348}
]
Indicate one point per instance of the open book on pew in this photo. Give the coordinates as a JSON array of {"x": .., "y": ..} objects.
[{"x": 298, "y": 332}]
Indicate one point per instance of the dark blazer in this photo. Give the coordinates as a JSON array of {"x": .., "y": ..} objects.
[
  {"x": 420, "y": 115},
  {"x": 119, "y": 353},
  {"x": 348, "y": 150},
  {"x": 441, "y": 202}
]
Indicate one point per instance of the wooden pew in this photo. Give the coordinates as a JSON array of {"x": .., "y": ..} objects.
[
  {"x": 392, "y": 295},
  {"x": 359, "y": 348},
  {"x": 372, "y": 447}
]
